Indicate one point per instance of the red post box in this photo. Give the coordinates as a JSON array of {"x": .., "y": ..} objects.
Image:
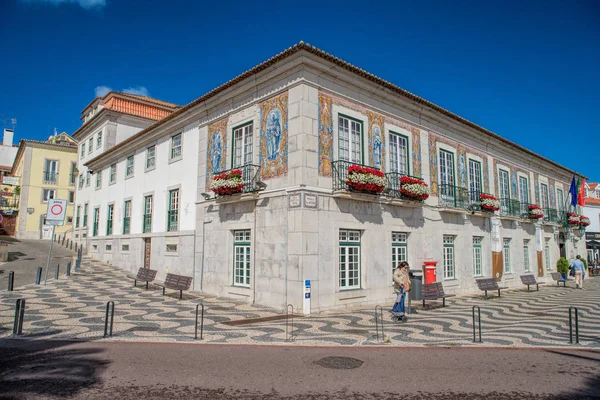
[{"x": 429, "y": 271}]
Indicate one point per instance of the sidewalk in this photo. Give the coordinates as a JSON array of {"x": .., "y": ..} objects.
[{"x": 74, "y": 308}]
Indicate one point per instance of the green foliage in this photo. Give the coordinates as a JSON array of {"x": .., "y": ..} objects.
[
  {"x": 562, "y": 265},
  {"x": 584, "y": 261},
  {"x": 17, "y": 190}
]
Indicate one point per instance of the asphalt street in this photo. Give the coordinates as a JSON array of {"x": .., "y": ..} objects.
[{"x": 43, "y": 369}]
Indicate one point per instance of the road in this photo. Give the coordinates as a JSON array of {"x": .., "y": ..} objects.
[
  {"x": 108, "y": 370},
  {"x": 25, "y": 256}
]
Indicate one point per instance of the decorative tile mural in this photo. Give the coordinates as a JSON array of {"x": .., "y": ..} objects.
[
  {"x": 461, "y": 166},
  {"x": 433, "y": 163},
  {"x": 273, "y": 137},
  {"x": 325, "y": 135},
  {"x": 216, "y": 151},
  {"x": 376, "y": 141},
  {"x": 416, "y": 151},
  {"x": 536, "y": 182},
  {"x": 552, "y": 194},
  {"x": 514, "y": 179}
]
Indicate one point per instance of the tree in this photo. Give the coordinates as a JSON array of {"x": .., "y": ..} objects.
[{"x": 562, "y": 265}]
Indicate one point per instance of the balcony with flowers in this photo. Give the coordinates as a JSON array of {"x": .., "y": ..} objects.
[
  {"x": 460, "y": 199},
  {"x": 236, "y": 184},
  {"x": 406, "y": 188}
]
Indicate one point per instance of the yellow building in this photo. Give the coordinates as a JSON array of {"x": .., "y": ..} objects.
[{"x": 46, "y": 170}]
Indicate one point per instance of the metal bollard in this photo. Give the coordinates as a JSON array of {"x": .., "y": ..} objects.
[
  {"x": 68, "y": 268},
  {"x": 71, "y": 245},
  {"x": 67, "y": 243},
  {"x": 56, "y": 272},
  {"x": 63, "y": 240},
  {"x": 38, "y": 277},
  {"x": 571, "y": 309},
  {"x": 108, "y": 331},
  {"x": 201, "y": 322},
  {"x": 76, "y": 246},
  {"x": 478, "y": 322},
  {"x": 19, "y": 316},
  {"x": 289, "y": 336},
  {"x": 11, "y": 281},
  {"x": 380, "y": 321}
]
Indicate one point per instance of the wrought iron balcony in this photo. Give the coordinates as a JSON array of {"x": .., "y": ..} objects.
[
  {"x": 50, "y": 177},
  {"x": 250, "y": 178},
  {"x": 457, "y": 197},
  {"x": 340, "y": 174},
  {"x": 552, "y": 215},
  {"x": 511, "y": 207},
  {"x": 394, "y": 186}
]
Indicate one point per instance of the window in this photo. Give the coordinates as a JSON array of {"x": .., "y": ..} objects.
[
  {"x": 50, "y": 171},
  {"x": 72, "y": 174},
  {"x": 241, "y": 258},
  {"x": 82, "y": 150},
  {"x": 526, "y": 255},
  {"x": 171, "y": 248},
  {"x": 547, "y": 254},
  {"x": 71, "y": 196},
  {"x": 113, "y": 173},
  {"x": 148, "y": 200},
  {"x": 447, "y": 175},
  {"x": 108, "y": 247},
  {"x": 475, "y": 187},
  {"x": 173, "y": 212},
  {"x": 98, "y": 179},
  {"x": 69, "y": 220},
  {"x": 124, "y": 247},
  {"x": 507, "y": 268},
  {"x": 560, "y": 200},
  {"x": 544, "y": 196},
  {"x": 48, "y": 194},
  {"x": 96, "y": 221},
  {"x": 129, "y": 168},
  {"x": 399, "y": 248},
  {"x": 477, "y": 257},
  {"x": 242, "y": 145},
  {"x": 523, "y": 190},
  {"x": 99, "y": 140},
  {"x": 77, "y": 217},
  {"x": 349, "y": 140},
  {"x": 398, "y": 153},
  {"x": 504, "y": 191},
  {"x": 90, "y": 145},
  {"x": 349, "y": 262},
  {"x": 449, "y": 271},
  {"x": 150, "y": 157},
  {"x": 127, "y": 217},
  {"x": 109, "y": 219},
  {"x": 80, "y": 182},
  {"x": 176, "y": 147},
  {"x": 85, "y": 215},
  {"x": 87, "y": 178}
]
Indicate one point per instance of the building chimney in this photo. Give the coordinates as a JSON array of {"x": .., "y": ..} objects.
[{"x": 8, "y": 137}]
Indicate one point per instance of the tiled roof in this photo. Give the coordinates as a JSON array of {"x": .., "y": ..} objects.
[
  {"x": 136, "y": 108},
  {"x": 339, "y": 62},
  {"x": 592, "y": 201},
  {"x": 159, "y": 103},
  {"x": 592, "y": 185}
]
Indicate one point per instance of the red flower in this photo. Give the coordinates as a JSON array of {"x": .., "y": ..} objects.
[{"x": 534, "y": 207}]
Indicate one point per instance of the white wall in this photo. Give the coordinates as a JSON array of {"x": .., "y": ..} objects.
[{"x": 593, "y": 213}]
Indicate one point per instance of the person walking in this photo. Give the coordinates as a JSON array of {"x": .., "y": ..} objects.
[
  {"x": 579, "y": 269},
  {"x": 401, "y": 287}
]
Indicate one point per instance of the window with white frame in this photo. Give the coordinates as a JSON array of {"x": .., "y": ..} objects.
[
  {"x": 77, "y": 220},
  {"x": 173, "y": 211},
  {"x": 447, "y": 175},
  {"x": 242, "y": 145},
  {"x": 526, "y": 255},
  {"x": 477, "y": 256},
  {"x": 82, "y": 153},
  {"x": 129, "y": 167},
  {"x": 99, "y": 140},
  {"x": 349, "y": 261},
  {"x": 523, "y": 190},
  {"x": 113, "y": 173},
  {"x": 98, "y": 179},
  {"x": 150, "y": 157},
  {"x": 560, "y": 200},
  {"x": 398, "y": 153},
  {"x": 504, "y": 191},
  {"x": 175, "y": 147},
  {"x": 544, "y": 196},
  {"x": 48, "y": 194},
  {"x": 87, "y": 178},
  {"x": 507, "y": 267},
  {"x": 71, "y": 196},
  {"x": 81, "y": 182},
  {"x": 449, "y": 269},
  {"x": 349, "y": 139},
  {"x": 90, "y": 145},
  {"x": 475, "y": 185},
  {"x": 547, "y": 253},
  {"x": 242, "y": 260},
  {"x": 399, "y": 248}
]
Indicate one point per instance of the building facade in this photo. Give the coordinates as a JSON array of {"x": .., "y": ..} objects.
[
  {"x": 46, "y": 170},
  {"x": 9, "y": 194},
  {"x": 592, "y": 211},
  {"x": 289, "y": 134}
]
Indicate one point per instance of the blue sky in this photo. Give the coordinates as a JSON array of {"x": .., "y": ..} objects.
[{"x": 525, "y": 70}]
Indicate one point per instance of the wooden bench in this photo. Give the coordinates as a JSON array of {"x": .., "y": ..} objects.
[
  {"x": 176, "y": 282},
  {"x": 486, "y": 284},
  {"x": 557, "y": 276},
  {"x": 144, "y": 275},
  {"x": 434, "y": 291},
  {"x": 530, "y": 280}
]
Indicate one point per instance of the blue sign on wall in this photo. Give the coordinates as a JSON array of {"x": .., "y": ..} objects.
[{"x": 307, "y": 283}]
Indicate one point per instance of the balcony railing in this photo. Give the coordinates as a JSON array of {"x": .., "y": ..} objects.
[
  {"x": 147, "y": 228},
  {"x": 457, "y": 197},
  {"x": 511, "y": 207},
  {"x": 552, "y": 215},
  {"x": 126, "y": 225},
  {"x": 173, "y": 220},
  {"x": 394, "y": 187},
  {"x": 50, "y": 177},
  {"x": 340, "y": 173},
  {"x": 250, "y": 177},
  {"x": 9, "y": 203}
]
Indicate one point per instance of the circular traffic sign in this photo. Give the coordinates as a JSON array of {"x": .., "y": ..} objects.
[{"x": 56, "y": 209}]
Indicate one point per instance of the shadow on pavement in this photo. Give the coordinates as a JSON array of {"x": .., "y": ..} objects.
[{"x": 47, "y": 367}]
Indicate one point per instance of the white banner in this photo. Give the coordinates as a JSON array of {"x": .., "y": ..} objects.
[
  {"x": 539, "y": 238},
  {"x": 496, "y": 239},
  {"x": 10, "y": 180}
]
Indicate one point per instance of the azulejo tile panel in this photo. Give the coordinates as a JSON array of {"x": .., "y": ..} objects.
[
  {"x": 216, "y": 152},
  {"x": 416, "y": 151},
  {"x": 274, "y": 137},
  {"x": 376, "y": 140},
  {"x": 325, "y": 135}
]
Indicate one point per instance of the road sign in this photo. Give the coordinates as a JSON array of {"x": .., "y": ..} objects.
[{"x": 56, "y": 212}]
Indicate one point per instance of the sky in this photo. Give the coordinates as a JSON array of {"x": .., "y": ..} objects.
[{"x": 526, "y": 70}]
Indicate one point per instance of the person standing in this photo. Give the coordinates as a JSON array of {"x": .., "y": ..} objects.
[
  {"x": 401, "y": 287},
  {"x": 578, "y": 267}
]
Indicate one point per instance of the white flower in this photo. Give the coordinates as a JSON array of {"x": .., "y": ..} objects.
[
  {"x": 366, "y": 179},
  {"x": 417, "y": 189},
  {"x": 222, "y": 183},
  {"x": 490, "y": 203}
]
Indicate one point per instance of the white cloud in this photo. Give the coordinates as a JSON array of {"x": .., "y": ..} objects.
[
  {"x": 86, "y": 4},
  {"x": 102, "y": 91},
  {"x": 139, "y": 90}
]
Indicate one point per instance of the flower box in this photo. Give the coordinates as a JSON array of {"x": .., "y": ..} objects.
[
  {"x": 228, "y": 182},
  {"x": 414, "y": 188},
  {"x": 487, "y": 202},
  {"x": 584, "y": 221},
  {"x": 365, "y": 179},
  {"x": 535, "y": 212},
  {"x": 572, "y": 219}
]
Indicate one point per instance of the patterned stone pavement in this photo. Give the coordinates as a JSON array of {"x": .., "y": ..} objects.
[{"x": 74, "y": 308}]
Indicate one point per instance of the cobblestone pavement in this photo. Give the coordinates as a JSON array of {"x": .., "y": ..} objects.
[{"x": 74, "y": 308}]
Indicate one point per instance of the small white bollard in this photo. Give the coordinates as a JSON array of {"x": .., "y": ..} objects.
[{"x": 306, "y": 302}]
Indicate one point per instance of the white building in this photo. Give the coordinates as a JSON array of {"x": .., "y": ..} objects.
[
  {"x": 293, "y": 125},
  {"x": 592, "y": 211}
]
